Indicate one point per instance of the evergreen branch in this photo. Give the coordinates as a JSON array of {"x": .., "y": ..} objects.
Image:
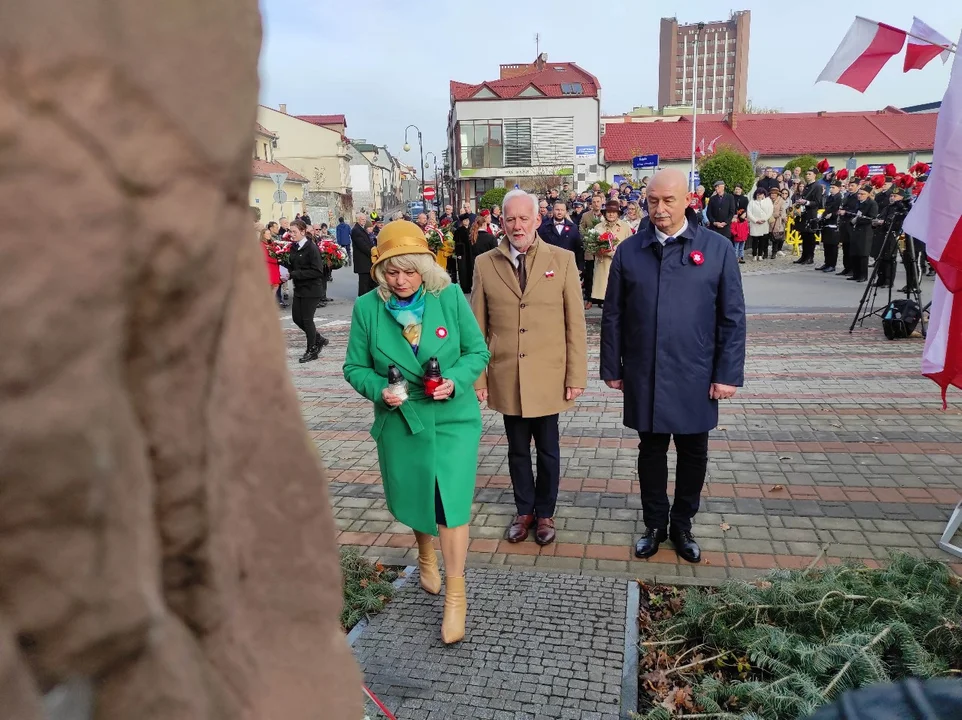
[
  {"x": 817, "y": 559},
  {"x": 847, "y": 665},
  {"x": 677, "y": 641},
  {"x": 689, "y": 666}
]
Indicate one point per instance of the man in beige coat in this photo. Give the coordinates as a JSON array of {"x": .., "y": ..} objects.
[{"x": 527, "y": 300}]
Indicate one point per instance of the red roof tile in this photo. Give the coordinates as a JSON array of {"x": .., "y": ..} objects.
[
  {"x": 262, "y": 168},
  {"x": 548, "y": 81},
  {"x": 323, "y": 119},
  {"x": 263, "y": 130},
  {"x": 777, "y": 134}
]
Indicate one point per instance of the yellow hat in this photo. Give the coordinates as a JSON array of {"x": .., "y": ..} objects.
[{"x": 399, "y": 237}]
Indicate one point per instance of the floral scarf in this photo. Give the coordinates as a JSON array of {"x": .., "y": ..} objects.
[{"x": 409, "y": 315}]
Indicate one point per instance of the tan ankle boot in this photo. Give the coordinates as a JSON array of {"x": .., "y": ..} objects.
[
  {"x": 455, "y": 609},
  {"x": 428, "y": 567}
]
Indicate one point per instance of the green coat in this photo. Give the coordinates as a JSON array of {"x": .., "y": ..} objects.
[{"x": 423, "y": 441}]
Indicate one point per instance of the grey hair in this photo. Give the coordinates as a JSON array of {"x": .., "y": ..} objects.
[
  {"x": 434, "y": 277},
  {"x": 518, "y": 193}
]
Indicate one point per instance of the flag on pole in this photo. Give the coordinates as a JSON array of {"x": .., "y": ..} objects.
[
  {"x": 918, "y": 53},
  {"x": 701, "y": 147},
  {"x": 711, "y": 145},
  {"x": 936, "y": 219},
  {"x": 866, "y": 47}
]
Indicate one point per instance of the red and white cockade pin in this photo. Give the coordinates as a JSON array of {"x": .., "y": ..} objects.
[
  {"x": 442, "y": 333},
  {"x": 549, "y": 274},
  {"x": 697, "y": 257}
]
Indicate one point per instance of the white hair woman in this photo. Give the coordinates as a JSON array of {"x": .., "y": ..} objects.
[{"x": 427, "y": 434}]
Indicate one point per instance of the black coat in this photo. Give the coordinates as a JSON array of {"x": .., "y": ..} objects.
[
  {"x": 721, "y": 208},
  {"x": 766, "y": 184},
  {"x": 569, "y": 239},
  {"x": 362, "y": 245},
  {"x": 862, "y": 235},
  {"x": 462, "y": 249},
  {"x": 671, "y": 327},
  {"x": 307, "y": 271},
  {"x": 484, "y": 242},
  {"x": 813, "y": 195},
  {"x": 741, "y": 202},
  {"x": 832, "y": 205}
]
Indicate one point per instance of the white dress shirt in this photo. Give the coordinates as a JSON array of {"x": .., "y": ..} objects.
[
  {"x": 662, "y": 238},
  {"x": 300, "y": 243}
]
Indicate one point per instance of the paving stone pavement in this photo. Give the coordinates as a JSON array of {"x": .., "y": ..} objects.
[
  {"x": 539, "y": 646},
  {"x": 836, "y": 440}
]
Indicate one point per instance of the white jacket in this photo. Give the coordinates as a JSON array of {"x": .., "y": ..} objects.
[{"x": 759, "y": 210}]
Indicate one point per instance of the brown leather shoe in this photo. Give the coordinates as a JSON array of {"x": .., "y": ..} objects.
[
  {"x": 518, "y": 532},
  {"x": 544, "y": 535}
]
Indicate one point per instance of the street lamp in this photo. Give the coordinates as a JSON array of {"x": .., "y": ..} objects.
[
  {"x": 438, "y": 181},
  {"x": 407, "y": 148}
]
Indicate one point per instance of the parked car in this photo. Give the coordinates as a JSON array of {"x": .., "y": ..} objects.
[{"x": 414, "y": 208}]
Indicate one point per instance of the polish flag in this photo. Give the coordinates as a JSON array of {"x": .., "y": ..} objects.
[
  {"x": 866, "y": 47},
  {"x": 936, "y": 219},
  {"x": 711, "y": 145},
  {"x": 919, "y": 53},
  {"x": 701, "y": 147}
]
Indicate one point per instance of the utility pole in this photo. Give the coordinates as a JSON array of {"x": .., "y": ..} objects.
[
  {"x": 537, "y": 44},
  {"x": 694, "y": 106}
]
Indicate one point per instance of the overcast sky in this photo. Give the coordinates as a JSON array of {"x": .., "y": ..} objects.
[{"x": 385, "y": 65}]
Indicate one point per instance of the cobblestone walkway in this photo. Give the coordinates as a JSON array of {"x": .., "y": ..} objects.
[
  {"x": 835, "y": 440},
  {"x": 539, "y": 646}
]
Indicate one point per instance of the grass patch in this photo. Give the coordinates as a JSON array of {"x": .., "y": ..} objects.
[
  {"x": 367, "y": 587},
  {"x": 780, "y": 647}
]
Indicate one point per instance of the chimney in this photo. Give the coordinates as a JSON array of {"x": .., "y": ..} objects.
[
  {"x": 283, "y": 108},
  {"x": 732, "y": 119},
  {"x": 541, "y": 61}
]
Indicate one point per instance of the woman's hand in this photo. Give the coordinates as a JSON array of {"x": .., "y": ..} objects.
[
  {"x": 390, "y": 399},
  {"x": 444, "y": 390}
]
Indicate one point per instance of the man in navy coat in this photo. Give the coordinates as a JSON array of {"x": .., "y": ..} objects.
[
  {"x": 562, "y": 232},
  {"x": 673, "y": 341}
]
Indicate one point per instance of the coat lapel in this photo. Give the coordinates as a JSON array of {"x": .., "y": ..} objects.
[
  {"x": 391, "y": 342},
  {"x": 433, "y": 320},
  {"x": 505, "y": 268},
  {"x": 542, "y": 259}
]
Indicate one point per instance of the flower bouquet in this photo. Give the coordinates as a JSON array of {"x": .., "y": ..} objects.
[
  {"x": 281, "y": 252},
  {"x": 441, "y": 243},
  {"x": 332, "y": 254},
  {"x": 598, "y": 242}
]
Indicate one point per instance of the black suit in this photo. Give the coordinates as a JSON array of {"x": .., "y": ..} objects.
[
  {"x": 568, "y": 238},
  {"x": 878, "y": 235},
  {"x": 862, "y": 238},
  {"x": 308, "y": 273},
  {"x": 830, "y": 229},
  {"x": 813, "y": 198},
  {"x": 721, "y": 209},
  {"x": 845, "y": 230},
  {"x": 362, "y": 245}
]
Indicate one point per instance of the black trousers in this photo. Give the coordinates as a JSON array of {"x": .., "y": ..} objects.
[
  {"x": 808, "y": 246},
  {"x": 777, "y": 244},
  {"x": 845, "y": 233},
  {"x": 692, "y": 453},
  {"x": 534, "y": 497},
  {"x": 913, "y": 265},
  {"x": 302, "y": 313},
  {"x": 588, "y": 278},
  {"x": 365, "y": 283},
  {"x": 760, "y": 245},
  {"x": 878, "y": 239},
  {"x": 860, "y": 268},
  {"x": 830, "y": 246}
]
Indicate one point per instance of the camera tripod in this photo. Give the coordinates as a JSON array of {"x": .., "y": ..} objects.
[{"x": 866, "y": 308}]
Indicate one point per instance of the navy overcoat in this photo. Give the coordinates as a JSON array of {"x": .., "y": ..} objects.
[{"x": 671, "y": 327}]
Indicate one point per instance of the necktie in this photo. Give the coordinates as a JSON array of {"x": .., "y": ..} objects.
[{"x": 522, "y": 271}]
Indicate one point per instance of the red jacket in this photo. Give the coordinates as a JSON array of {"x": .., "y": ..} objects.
[
  {"x": 273, "y": 269},
  {"x": 739, "y": 230}
]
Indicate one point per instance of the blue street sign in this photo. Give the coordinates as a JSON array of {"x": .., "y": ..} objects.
[
  {"x": 697, "y": 179},
  {"x": 876, "y": 169},
  {"x": 644, "y": 161},
  {"x": 586, "y": 150}
]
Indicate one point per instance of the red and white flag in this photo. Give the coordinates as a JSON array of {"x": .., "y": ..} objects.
[
  {"x": 936, "y": 219},
  {"x": 866, "y": 47},
  {"x": 701, "y": 147},
  {"x": 918, "y": 52},
  {"x": 711, "y": 145}
]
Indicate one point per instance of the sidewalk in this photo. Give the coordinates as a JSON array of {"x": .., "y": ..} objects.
[{"x": 835, "y": 440}]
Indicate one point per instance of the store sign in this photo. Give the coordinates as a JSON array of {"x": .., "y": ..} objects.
[{"x": 586, "y": 150}]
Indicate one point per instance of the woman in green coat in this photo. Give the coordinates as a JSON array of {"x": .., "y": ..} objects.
[{"x": 427, "y": 444}]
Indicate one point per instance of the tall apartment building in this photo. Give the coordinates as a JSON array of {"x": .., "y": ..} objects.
[{"x": 721, "y": 67}]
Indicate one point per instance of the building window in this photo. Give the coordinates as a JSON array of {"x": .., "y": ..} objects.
[
  {"x": 517, "y": 142},
  {"x": 481, "y": 144},
  {"x": 571, "y": 89},
  {"x": 552, "y": 141}
]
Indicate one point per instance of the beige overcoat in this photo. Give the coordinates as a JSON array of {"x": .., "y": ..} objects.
[
  {"x": 622, "y": 231},
  {"x": 537, "y": 338}
]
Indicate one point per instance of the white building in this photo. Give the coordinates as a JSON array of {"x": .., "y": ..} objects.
[{"x": 537, "y": 122}]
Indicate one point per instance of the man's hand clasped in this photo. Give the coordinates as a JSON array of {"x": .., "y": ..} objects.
[{"x": 722, "y": 392}]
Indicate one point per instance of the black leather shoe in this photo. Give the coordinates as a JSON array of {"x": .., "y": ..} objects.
[
  {"x": 829, "y": 269},
  {"x": 844, "y": 272},
  {"x": 322, "y": 342},
  {"x": 648, "y": 543},
  {"x": 685, "y": 545},
  {"x": 309, "y": 357},
  {"x": 852, "y": 278}
]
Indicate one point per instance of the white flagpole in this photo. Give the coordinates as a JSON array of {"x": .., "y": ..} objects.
[{"x": 694, "y": 108}]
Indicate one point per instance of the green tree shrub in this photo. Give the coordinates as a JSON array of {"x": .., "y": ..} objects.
[
  {"x": 494, "y": 196},
  {"x": 729, "y": 165},
  {"x": 802, "y": 161}
]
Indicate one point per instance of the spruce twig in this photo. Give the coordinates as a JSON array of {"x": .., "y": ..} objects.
[
  {"x": 817, "y": 559},
  {"x": 689, "y": 666},
  {"x": 847, "y": 665}
]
